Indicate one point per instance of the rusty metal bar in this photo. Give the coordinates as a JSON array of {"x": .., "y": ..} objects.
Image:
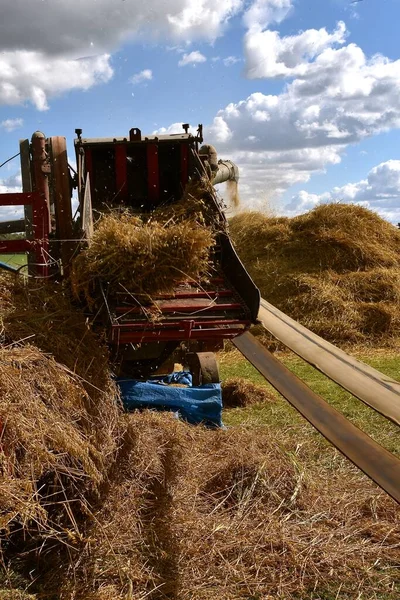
[
  {"x": 376, "y": 462},
  {"x": 378, "y": 391},
  {"x": 25, "y": 161},
  {"x": 62, "y": 192},
  {"x": 40, "y": 167},
  {"x": 41, "y": 228}
]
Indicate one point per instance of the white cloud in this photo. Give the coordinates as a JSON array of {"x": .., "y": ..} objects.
[
  {"x": 11, "y": 124},
  {"x": 32, "y": 76},
  {"x": 341, "y": 98},
  {"x": 269, "y": 55},
  {"x": 80, "y": 28},
  {"x": 192, "y": 58},
  {"x": 145, "y": 75},
  {"x": 40, "y": 42},
  {"x": 174, "y": 128},
  {"x": 230, "y": 60},
  {"x": 263, "y": 13},
  {"x": 380, "y": 191}
]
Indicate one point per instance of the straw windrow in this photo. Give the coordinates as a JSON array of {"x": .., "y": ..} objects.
[{"x": 335, "y": 269}]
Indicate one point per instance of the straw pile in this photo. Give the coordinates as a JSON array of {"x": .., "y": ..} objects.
[
  {"x": 59, "y": 424},
  {"x": 238, "y": 392},
  {"x": 149, "y": 254},
  {"x": 197, "y": 204},
  {"x": 50, "y": 438},
  {"x": 189, "y": 517},
  {"x": 335, "y": 269},
  {"x": 177, "y": 511},
  {"x": 42, "y": 314}
]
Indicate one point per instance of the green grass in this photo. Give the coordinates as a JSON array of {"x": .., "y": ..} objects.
[
  {"x": 14, "y": 260},
  {"x": 280, "y": 414}
]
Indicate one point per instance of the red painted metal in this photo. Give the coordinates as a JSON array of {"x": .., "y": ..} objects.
[
  {"x": 160, "y": 335},
  {"x": 14, "y": 246},
  {"x": 173, "y": 324},
  {"x": 18, "y": 199},
  {"x": 212, "y": 295},
  {"x": 172, "y": 308},
  {"x": 40, "y": 227},
  {"x": 121, "y": 172},
  {"x": 184, "y": 164},
  {"x": 153, "y": 180}
]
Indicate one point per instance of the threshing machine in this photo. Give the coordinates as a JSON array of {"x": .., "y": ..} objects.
[{"x": 141, "y": 173}]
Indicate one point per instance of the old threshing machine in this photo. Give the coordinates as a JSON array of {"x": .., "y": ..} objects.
[{"x": 142, "y": 173}]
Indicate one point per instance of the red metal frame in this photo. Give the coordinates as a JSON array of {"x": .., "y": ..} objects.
[
  {"x": 153, "y": 179},
  {"x": 40, "y": 226},
  {"x": 121, "y": 171},
  {"x": 174, "y": 308},
  {"x": 211, "y": 295},
  {"x": 179, "y": 330}
]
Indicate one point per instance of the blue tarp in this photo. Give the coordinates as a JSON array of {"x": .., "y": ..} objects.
[{"x": 195, "y": 405}]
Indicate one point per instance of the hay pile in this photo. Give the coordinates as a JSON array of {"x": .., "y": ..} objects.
[
  {"x": 189, "y": 517},
  {"x": 59, "y": 424},
  {"x": 148, "y": 254},
  {"x": 42, "y": 314},
  {"x": 197, "y": 204},
  {"x": 54, "y": 440},
  {"x": 335, "y": 269},
  {"x": 238, "y": 392}
]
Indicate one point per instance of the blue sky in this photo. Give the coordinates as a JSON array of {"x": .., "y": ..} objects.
[{"x": 303, "y": 104}]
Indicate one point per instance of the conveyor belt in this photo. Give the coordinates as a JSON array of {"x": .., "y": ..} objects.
[
  {"x": 372, "y": 387},
  {"x": 376, "y": 462}
]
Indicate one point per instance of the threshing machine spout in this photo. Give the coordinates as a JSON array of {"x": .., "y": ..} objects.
[
  {"x": 227, "y": 171},
  {"x": 219, "y": 170}
]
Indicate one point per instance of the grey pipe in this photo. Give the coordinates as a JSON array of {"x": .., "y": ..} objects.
[{"x": 227, "y": 171}]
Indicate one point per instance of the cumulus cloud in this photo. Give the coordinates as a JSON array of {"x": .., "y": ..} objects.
[
  {"x": 263, "y": 13},
  {"x": 77, "y": 28},
  {"x": 269, "y": 55},
  {"x": 192, "y": 58},
  {"x": 41, "y": 42},
  {"x": 340, "y": 98},
  {"x": 145, "y": 75},
  {"x": 11, "y": 124},
  {"x": 380, "y": 191},
  {"x": 28, "y": 75}
]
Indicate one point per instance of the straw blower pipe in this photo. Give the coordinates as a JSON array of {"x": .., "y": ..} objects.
[{"x": 219, "y": 171}]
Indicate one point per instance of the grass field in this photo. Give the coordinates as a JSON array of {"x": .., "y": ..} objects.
[
  {"x": 280, "y": 414},
  {"x": 14, "y": 260}
]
